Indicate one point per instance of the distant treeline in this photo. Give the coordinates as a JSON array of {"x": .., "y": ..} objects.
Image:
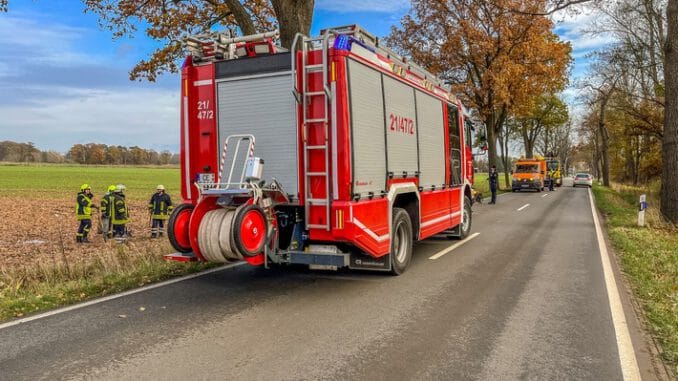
[{"x": 90, "y": 153}]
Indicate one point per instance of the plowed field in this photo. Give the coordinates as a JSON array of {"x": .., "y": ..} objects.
[{"x": 37, "y": 210}]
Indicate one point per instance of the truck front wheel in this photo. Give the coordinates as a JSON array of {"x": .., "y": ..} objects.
[
  {"x": 401, "y": 241},
  {"x": 465, "y": 226}
]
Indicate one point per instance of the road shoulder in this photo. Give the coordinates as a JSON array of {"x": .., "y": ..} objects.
[{"x": 647, "y": 355}]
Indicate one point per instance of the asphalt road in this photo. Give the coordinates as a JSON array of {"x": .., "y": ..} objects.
[{"x": 524, "y": 299}]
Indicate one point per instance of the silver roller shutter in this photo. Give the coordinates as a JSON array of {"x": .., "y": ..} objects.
[
  {"x": 401, "y": 127},
  {"x": 263, "y": 107},
  {"x": 367, "y": 128},
  {"x": 431, "y": 140}
]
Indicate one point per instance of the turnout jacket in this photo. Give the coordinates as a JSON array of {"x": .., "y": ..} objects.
[
  {"x": 160, "y": 206},
  {"x": 107, "y": 205},
  {"x": 120, "y": 212},
  {"x": 83, "y": 206}
]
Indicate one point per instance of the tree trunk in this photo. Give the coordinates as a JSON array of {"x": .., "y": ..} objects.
[
  {"x": 242, "y": 17},
  {"x": 504, "y": 139},
  {"x": 294, "y": 16},
  {"x": 529, "y": 144},
  {"x": 604, "y": 143},
  {"x": 669, "y": 190},
  {"x": 491, "y": 142}
]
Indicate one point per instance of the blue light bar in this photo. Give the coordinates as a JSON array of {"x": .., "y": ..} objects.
[{"x": 342, "y": 42}]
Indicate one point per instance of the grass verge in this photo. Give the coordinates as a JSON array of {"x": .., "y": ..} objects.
[
  {"x": 649, "y": 258},
  {"x": 481, "y": 184},
  {"x": 59, "y": 282}
]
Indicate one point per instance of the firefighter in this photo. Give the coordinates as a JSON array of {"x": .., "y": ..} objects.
[
  {"x": 83, "y": 212},
  {"x": 106, "y": 212},
  {"x": 120, "y": 212},
  {"x": 493, "y": 178},
  {"x": 552, "y": 179},
  {"x": 159, "y": 209}
]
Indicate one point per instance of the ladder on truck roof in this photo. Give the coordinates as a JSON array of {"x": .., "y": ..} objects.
[{"x": 317, "y": 123}]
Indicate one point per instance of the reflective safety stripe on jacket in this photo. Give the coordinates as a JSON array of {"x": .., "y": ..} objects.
[
  {"x": 160, "y": 206},
  {"x": 83, "y": 207},
  {"x": 120, "y": 215},
  {"x": 106, "y": 205}
]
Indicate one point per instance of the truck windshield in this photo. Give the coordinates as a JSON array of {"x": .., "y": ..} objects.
[{"x": 527, "y": 168}]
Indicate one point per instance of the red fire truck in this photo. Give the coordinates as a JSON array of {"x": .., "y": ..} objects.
[{"x": 364, "y": 152}]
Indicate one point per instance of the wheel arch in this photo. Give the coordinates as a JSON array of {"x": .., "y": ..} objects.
[{"x": 406, "y": 196}]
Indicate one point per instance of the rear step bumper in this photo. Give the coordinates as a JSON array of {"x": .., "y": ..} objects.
[{"x": 180, "y": 257}]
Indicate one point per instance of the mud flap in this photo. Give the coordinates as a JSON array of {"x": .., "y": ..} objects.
[
  {"x": 455, "y": 232},
  {"x": 359, "y": 261}
]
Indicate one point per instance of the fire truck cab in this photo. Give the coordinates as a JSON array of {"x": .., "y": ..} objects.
[{"x": 338, "y": 153}]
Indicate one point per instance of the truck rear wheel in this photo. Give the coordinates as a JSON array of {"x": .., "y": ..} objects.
[
  {"x": 401, "y": 241},
  {"x": 177, "y": 228}
]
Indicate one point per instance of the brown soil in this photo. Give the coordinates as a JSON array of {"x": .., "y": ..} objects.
[{"x": 42, "y": 229}]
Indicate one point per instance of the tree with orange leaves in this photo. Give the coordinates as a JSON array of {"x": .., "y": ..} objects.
[
  {"x": 168, "y": 21},
  {"x": 498, "y": 55}
]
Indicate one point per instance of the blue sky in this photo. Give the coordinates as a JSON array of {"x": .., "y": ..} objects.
[{"x": 65, "y": 81}]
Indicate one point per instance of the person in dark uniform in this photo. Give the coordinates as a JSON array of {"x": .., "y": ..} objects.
[
  {"x": 107, "y": 212},
  {"x": 120, "y": 212},
  {"x": 160, "y": 207},
  {"x": 83, "y": 212},
  {"x": 493, "y": 178},
  {"x": 552, "y": 180}
]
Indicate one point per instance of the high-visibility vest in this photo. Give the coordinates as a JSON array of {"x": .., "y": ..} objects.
[
  {"x": 120, "y": 215},
  {"x": 83, "y": 207},
  {"x": 107, "y": 205}
]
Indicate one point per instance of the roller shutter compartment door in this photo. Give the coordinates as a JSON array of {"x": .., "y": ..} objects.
[
  {"x": 367, "y": 129},
  {"x": 401, "y": 128},
  {"x": 431, "y": 141},
  {"x": 263, "y": 107}
]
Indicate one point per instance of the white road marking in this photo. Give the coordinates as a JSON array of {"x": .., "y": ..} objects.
[
  {"x": 627, "y": 356},
  {"x": 544, "y": 195},
  {"x": 522, "y": 207},
  {"x": 116, "y": 296},
  {"x": 456, "y": 245}
]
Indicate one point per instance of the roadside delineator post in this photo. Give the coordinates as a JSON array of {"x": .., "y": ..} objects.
[{"x": 641, "y": 210}]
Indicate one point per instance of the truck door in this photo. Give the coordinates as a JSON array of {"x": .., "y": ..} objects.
[{"x": 455, "y": 176}]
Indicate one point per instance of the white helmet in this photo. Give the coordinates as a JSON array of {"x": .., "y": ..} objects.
[
  {"x": 160, "y": 187},
  {"x": 120, "y": 188}
]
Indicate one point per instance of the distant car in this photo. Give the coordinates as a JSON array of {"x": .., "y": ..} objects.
[{"x": 583, "y": 179}]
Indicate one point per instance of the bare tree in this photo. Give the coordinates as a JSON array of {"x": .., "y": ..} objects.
[{"x": 669, "y": 189}]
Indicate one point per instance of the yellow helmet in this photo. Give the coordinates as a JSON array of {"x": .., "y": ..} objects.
[
  {"x": 111, "y": 188},
  {"x": 84, "y": 187}
]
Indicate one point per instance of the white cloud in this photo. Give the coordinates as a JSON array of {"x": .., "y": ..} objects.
[
  {"x": 345, "y": 6},
  {"x": 58, "y": 88},
  {"x": 28, "y": 37},
  {"x": 577, "y": 29},
  {"x": 145, "y": 117}
]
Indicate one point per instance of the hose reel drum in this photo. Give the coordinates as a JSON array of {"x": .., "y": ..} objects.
[{"x": 233, "y": 233}]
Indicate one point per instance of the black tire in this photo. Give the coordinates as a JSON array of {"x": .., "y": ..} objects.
[
  {"x": 238, "y": 240},
  {"x": 401, "y": 241},
  {"x": 466, "y": 219},
  {"x": 183, "y": 208}
]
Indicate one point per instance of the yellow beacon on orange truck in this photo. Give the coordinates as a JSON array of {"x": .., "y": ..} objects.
[{"x": 529, "y": 174}]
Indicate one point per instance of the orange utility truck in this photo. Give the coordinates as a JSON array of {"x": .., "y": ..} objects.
[{"x": 529, "y": 174}]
